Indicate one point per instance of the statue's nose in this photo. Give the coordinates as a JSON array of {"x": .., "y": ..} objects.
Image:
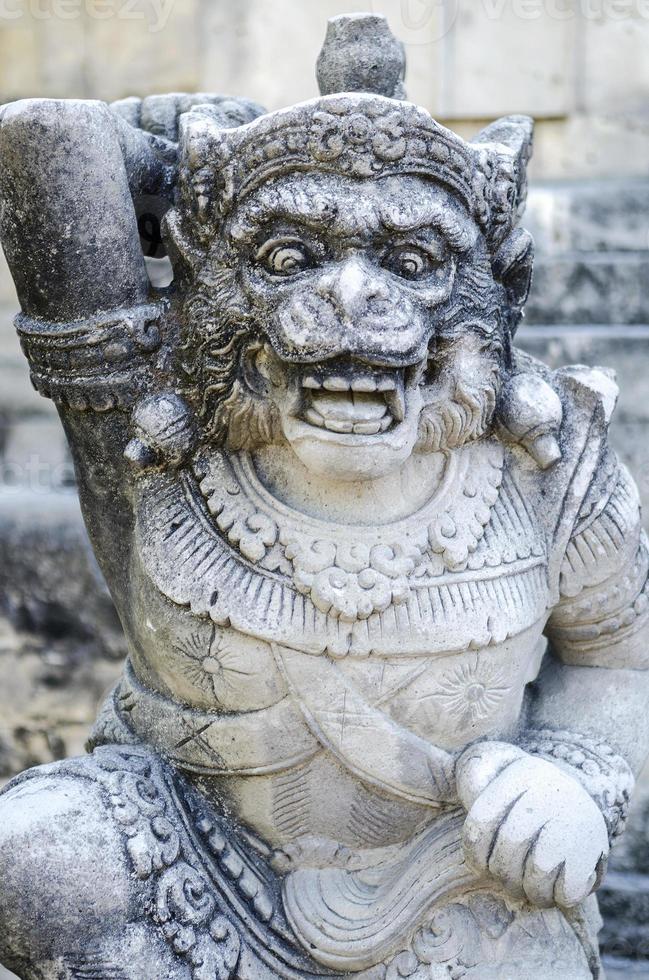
[{"x": 352, "y": 286}]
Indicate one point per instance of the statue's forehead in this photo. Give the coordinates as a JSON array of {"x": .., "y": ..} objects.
[{"x": 351, "y": 207}]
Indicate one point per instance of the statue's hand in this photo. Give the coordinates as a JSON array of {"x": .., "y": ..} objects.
[
  {"x": 159, "y": 115},
  {"x": 530, "y": 825}
]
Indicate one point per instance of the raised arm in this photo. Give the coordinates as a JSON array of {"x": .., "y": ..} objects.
[
  {"x": 75, "y": 176},
  {"x": 87, "y": 326}
]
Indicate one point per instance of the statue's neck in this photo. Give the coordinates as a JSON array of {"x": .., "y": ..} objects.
[{"x": 365, "y": 502}]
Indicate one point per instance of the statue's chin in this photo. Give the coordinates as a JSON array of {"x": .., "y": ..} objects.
[{"x": 351, "y": 458}]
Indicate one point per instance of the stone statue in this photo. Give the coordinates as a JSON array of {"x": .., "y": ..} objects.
[{"x": 383, "y": 580}]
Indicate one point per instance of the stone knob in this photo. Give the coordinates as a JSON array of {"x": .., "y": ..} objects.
[{"x": 361, "y": 54}]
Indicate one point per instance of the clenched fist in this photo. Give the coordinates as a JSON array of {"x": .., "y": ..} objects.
[{"x": 530, "y": 825}]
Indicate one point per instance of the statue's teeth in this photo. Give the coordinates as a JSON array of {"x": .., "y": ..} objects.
[
  {"x": 367, "y": 428},
  {"x": 364, "y": 403},
  {"x": 364, "y": 384},
  {"x": 349, "y": 406},
  {"x": 314, "y": 418},
  {"x": 334, "y": 425},
  {"x": 336, "y": 383}
]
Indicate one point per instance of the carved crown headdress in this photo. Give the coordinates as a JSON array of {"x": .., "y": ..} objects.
[{"x": 359, "y": 127}]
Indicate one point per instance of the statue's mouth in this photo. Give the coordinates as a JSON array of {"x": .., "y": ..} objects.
[
  {"x": 339, "y": 412},
  {"x": 359, "y": 401}
]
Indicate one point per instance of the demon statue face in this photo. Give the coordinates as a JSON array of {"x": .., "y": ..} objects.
[{"x": 353, "y": 279}]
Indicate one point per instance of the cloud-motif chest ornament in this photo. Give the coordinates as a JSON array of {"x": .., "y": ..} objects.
[{"x": 350, "y": 572}]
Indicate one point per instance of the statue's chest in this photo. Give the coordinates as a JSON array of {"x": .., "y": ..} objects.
[{"x": 466, "y": 572}]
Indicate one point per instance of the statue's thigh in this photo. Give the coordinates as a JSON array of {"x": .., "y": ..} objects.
[{"x": 60, "y": 852}]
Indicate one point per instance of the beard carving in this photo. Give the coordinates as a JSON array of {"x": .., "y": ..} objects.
[
  {"x": 463, "y": 396},
  {"x": 232, "y": 414},
  {"x": 472, "y": 354}
]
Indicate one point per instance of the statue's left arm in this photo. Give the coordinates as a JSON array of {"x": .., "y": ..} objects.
[
  {"x": 542, "y": 813},
  {"x": 595, "y": 681}
]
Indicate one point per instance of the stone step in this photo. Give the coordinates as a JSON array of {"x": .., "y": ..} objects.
[
  {"x": 590, "y": 288},
  {"x": 588, "y": 216},
  {"x": 592, "y": 248},
  {"x": 50, "y": 583},
  {"x": 621, "y": 969},
  {"x": 624, "y": 904}
]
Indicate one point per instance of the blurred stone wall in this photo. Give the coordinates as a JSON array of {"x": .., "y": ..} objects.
[{"x": 579, "y": 66}]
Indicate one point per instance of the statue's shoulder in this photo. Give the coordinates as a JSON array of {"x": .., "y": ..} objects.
[
  {"x": 568, "y": 410},
  {"x": 584, "y": 390},
  {"x": 574, "y": 404}
]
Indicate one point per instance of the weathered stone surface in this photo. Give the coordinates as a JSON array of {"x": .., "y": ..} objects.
[
  {"x": 257, "y": 30},
  {"x": 622, "y": 969},
  {"x": 595, "y": 288},
  {"x": 340, "y": 514},
  {"x": 145, "y": 48},
  {"x": 524, "y": 82},
  {"x": 625, "y": 906},
  {"x": 613, "y": 46}
]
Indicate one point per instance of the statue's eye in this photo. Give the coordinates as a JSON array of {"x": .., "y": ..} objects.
[
  {"x": 410, "y": 262},
  {"x": 285, "y": 258}
]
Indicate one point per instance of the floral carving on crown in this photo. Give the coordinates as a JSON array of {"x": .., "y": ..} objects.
[
  {"x": 355, "y": 135},
  {"x": 383, "y": 138}
]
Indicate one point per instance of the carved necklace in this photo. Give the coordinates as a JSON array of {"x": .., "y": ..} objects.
[{"x": 352, "y": 571}]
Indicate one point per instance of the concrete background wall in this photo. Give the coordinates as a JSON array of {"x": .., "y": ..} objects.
[{"x": 579, "y": 66}]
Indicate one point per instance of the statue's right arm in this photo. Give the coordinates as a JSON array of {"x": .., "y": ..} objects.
[{"x": 89, "y": 324}]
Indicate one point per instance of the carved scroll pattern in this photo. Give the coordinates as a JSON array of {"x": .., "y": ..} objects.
[{"x": 184, "y": 906}]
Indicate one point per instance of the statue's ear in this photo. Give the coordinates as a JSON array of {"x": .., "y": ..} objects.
[
  {"x": 507, "y": 147},
  {"x": 512, "y": 267},
  {"x": 203, "y": 152},
  {"x": 514, "y": 132}
]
